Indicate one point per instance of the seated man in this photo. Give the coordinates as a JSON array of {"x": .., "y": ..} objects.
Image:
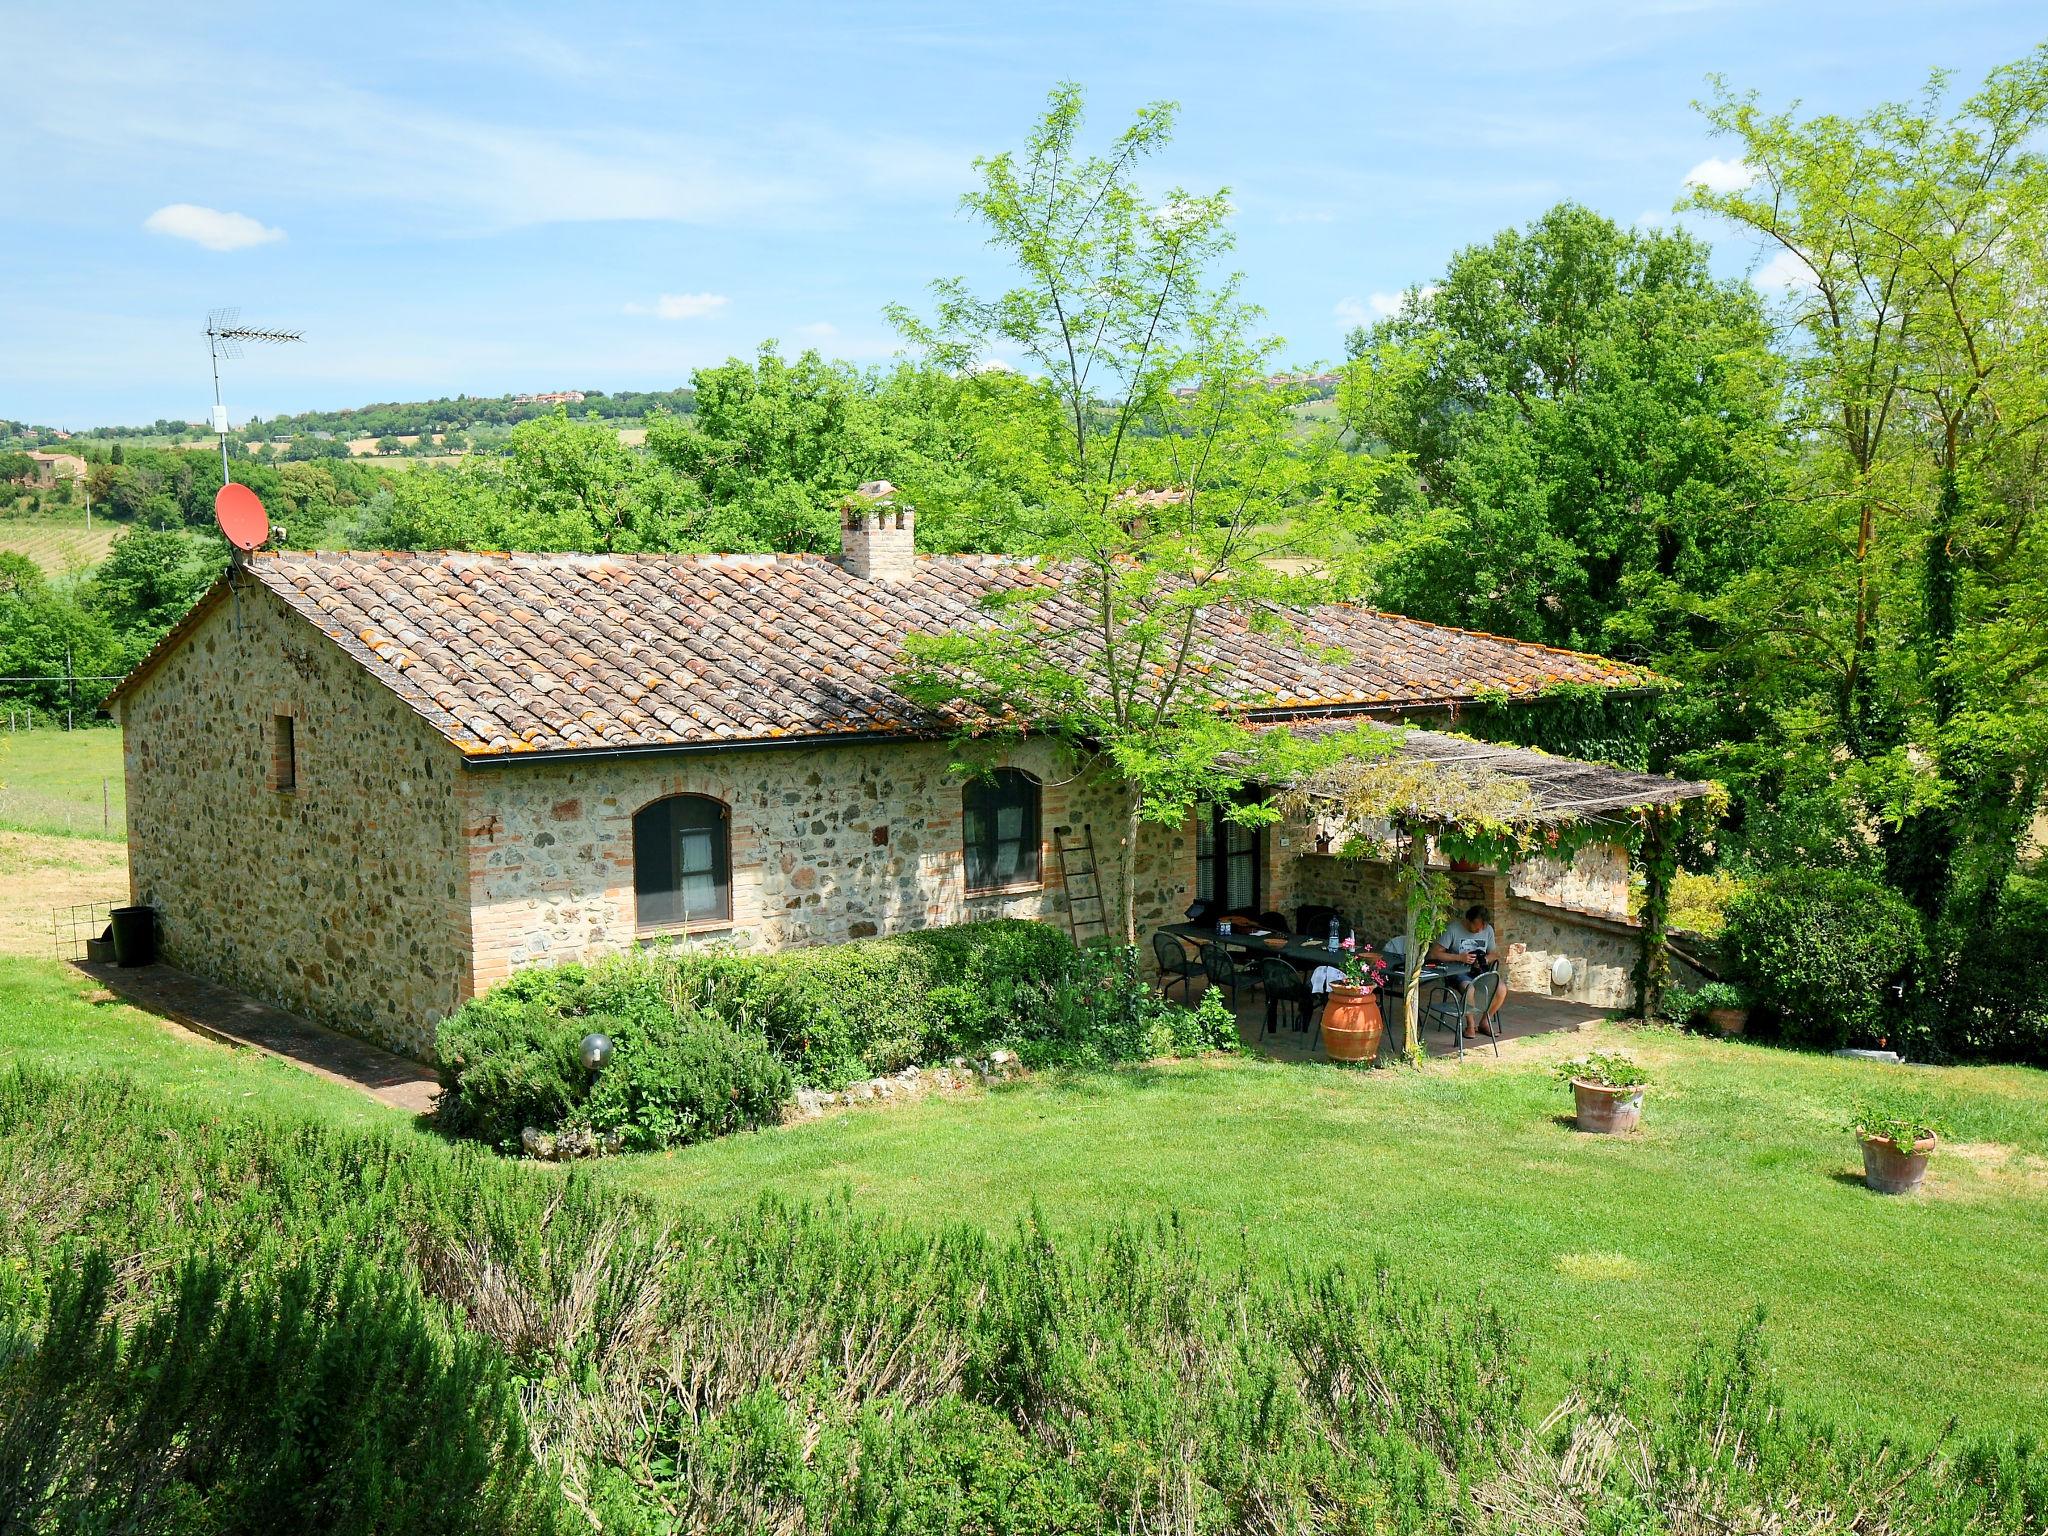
[{"x": 1469, "y": 944}]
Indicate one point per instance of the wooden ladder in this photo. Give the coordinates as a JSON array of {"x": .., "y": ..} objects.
[{"x": 1082, "y": 881}]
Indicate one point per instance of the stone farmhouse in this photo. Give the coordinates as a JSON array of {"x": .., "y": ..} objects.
[{"x": 368, "y": 786}]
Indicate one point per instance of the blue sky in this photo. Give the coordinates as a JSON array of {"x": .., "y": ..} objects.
[{"x": 483, "y": 199}]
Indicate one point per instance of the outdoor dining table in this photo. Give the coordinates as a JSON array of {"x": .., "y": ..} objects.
[{"x": 1298, "y": 950}]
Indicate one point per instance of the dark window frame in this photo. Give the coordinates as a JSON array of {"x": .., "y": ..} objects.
[
  {"x": 284, "y": 754},
  {"x": 661, "y": 829},
  {"x": 1212, "y": 869},
  {"x": 983, "y": 801}
]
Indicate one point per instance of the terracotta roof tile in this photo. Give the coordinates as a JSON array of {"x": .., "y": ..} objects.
[{"x": 526, "y": 652}]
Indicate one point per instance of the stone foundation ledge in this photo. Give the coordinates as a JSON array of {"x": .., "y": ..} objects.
[{"x": 957, "y": 1075}]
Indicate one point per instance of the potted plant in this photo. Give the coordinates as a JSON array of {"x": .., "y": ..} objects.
[
  {"x": 1898, "y": 1135},
  {"x": 1722, "y": 1007},
  {"x": 1352, "y": 1026},
  {"x": 1609, "y": 1089}
]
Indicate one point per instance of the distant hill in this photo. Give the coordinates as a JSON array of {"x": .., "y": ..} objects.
[{"x": 391, "y": 418}]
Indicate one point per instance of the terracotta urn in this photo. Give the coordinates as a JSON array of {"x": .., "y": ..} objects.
[
  {"x": 1727, "y": 1021},
  {"x": 1891, "y": 1169},
  {"x": 1608, "y": 1111},
  {"x": 1351, "y": 1023}
]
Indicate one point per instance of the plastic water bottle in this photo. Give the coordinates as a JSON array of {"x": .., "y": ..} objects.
[{"x": 1333, "y": 934}]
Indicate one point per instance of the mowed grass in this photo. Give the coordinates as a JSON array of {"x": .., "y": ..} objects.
[
  {"x": 54, "y": 1017},
  {"x": 52, "y": 780},
  {"x": 58, "y": 542},
  {"x": 1743, "y": 1189}
]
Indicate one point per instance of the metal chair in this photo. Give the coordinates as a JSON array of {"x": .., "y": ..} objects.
[
  {"x": 1222, "y": 969},
  {"x": 1177, "y": 968},
  {"x": 1313, "y": 922},
  {"x": 1286, "y": 988},
  {"x": 1452, "y": 1006},
  {"x": 1275, "y": 921}
]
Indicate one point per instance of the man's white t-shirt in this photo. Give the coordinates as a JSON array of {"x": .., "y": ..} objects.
[{"x": 1460, "y": 940}]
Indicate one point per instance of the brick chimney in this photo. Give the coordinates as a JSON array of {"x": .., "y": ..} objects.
[{"x": 877, "y": 534}]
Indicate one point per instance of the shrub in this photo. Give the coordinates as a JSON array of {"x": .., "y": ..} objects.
[
  {"x": 508, "y": 1060},
  {"x": 712, "y": 1041},
  {"x": 810, "y": 1369},
  {"x": 320, "y": 1397},
  {"x": 691, "y": 1080},
  {"x": 1994, "y": 1001},
  {"x": 1821, "y": 952}
]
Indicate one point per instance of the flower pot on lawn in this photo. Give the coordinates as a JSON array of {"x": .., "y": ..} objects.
[
  {"x": 1891, "y": 1169},
  {"x": 1606, "y": 1110},
  {"x": 1352, "y": 1025},
  {"x": 1727, "y": 1021}
]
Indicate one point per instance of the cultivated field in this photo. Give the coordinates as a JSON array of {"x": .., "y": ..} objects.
[{"x": 57, "y": 544}]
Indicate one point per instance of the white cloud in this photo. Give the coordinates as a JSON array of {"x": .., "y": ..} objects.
[
  {"x": 210, "y": 227},
  {"x": 1781, "y": 273},
  {"x": 1376, "y": 306},
  {"x": 681, "y": 306},
  {"x": 1718, "y": 175},
  {"x": 821, "y": 329}
]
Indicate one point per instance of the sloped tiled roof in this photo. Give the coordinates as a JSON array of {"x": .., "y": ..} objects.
[{"x": 527, "y": 653}]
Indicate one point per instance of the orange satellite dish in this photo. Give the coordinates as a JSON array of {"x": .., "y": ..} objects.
[{"x": 241, "y": 516}]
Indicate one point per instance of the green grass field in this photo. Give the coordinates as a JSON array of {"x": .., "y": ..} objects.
[
  {"x": 69, "y": 783},
  {"x": 1743, "y": 1189},
  {"x": 51, "y": 1016}
]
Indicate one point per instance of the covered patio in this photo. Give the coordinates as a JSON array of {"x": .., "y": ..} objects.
[{"x": 1396, "y": 838}]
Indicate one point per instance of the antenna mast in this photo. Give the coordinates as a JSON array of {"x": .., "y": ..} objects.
[{"x": 224, "y": 337}]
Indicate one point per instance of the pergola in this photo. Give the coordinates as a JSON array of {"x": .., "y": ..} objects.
[{"x": 1500, "y": 800}]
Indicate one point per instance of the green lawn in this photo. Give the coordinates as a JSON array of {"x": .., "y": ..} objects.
[
  {"x": 52, "y": 1016},
  {"x": 53, "y": 780},
  {"x": 1742, "y": 1190}
]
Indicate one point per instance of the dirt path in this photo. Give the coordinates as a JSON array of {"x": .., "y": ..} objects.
[{"x": 38, "y": 874}]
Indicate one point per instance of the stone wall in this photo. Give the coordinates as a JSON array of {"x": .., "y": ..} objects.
[
  {"x": 1594, "y": 879},
  {"x": 341, "y": 898},
  {"x": 828, "y": 844},
  {"x": 1602, "y": 952}
]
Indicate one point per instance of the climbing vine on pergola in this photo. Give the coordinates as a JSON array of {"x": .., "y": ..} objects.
[{"x": 1498, "y": 805}]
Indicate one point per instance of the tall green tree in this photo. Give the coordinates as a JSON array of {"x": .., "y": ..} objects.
[
  {"x": 1897, "y": 624},
  {"x": 1588, "y": 427},
  {"x": 1173, "y": 481}
]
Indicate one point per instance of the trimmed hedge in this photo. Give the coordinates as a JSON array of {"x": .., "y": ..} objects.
[
  {"x": 709, "y": 1042},
  {"x": 1822, "y": 951}
]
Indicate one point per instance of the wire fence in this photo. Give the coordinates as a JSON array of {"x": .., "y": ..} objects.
[{"x": 76, "y": 931}]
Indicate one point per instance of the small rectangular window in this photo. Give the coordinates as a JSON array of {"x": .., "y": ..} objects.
[{"x": 284, "y": 755}]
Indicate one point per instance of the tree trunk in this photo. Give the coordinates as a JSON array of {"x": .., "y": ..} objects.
[
  {"x": 1411, "y": 960},
  {"x": 1653, "y": 960},
  {"x": 1127, "y": 870}
]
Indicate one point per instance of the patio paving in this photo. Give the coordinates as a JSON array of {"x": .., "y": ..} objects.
[
  {"x": 1520, "y": 1018},
  {"x": 235, "y": 1018}
]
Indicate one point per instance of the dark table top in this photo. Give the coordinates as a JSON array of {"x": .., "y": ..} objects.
[{"x": 1298, "y": 950}]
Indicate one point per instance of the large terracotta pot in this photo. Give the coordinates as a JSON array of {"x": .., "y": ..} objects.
[
  {"x": 1890, "y": 1169},
  {"x": 1351, "y": 1023},
  {"x": 1727, "y": 1021},
  {"x": 1608, "y": 1111}
]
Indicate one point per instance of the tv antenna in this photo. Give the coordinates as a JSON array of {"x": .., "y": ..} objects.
[{"x": 225, "y": 334}]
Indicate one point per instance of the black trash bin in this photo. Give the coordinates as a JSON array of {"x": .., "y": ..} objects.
[{"x": 134, "y": 935}]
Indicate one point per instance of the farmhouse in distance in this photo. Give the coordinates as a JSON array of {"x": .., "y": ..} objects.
[{"x": 368, "y": 786}]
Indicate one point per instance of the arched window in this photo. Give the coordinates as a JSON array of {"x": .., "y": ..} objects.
[
  {"x": 682, "y": 863},
  {"x": 999, "y": 828}
]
